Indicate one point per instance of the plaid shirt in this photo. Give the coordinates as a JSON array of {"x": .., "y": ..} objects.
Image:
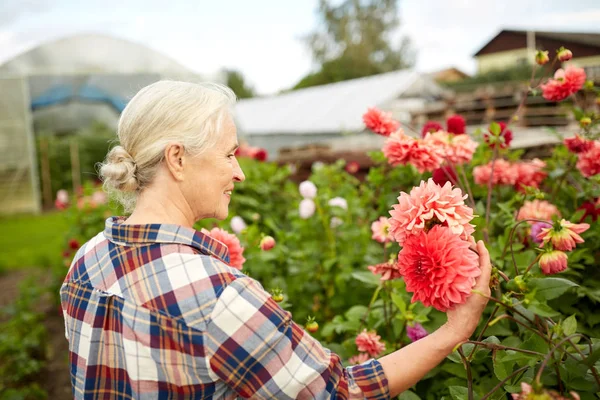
[{"x": 154, "y": 312}]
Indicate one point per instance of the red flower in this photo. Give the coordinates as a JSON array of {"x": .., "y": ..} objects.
[
  {"x": 236, "y": 251},
  {"x": 591, "y": 209},
  {"x": 444, "y": 174},
  {"x": 259, "y": 154},
  {"x": 505, "y": 134},
  {"x": 380, "y": 122},
  {"x": 352, "y": 167},
  {"x": 456, "y": 124},
  {"x": 565, "y": 83},
  {"x": 589, "y": 162},
  {"x": 431, "y": 127},
  {"x": 578, "y": 144},
  {"x": 74, "y": 244}
]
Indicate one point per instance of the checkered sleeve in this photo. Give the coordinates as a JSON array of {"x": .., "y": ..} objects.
[{"x": 253, "y": 345}]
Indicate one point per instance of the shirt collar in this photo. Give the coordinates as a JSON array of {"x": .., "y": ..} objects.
[{"x": 123, "y": 234}]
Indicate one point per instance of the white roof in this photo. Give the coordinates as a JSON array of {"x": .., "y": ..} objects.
[
  {"x": 89, "y": 54},
  {"x": 332, "y": 108}
]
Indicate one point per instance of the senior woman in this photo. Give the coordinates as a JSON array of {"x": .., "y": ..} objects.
[{"x": 153, "y": 311}]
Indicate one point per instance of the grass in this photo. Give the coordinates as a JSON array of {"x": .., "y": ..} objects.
[{"x": 27, "y": 240}]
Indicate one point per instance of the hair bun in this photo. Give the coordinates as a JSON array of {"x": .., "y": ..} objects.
[{"x": 119, "y": 170}]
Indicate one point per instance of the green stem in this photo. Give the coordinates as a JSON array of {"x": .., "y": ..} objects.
[
  {"x": 375, "y": 294},
  {"x": 538, "y": 376},
  {"x": 469, "y": 374},
  {"x": 493, "y": 346}
]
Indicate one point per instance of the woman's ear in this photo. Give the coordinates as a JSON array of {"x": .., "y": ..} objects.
[{"x": 175, "y": 159}]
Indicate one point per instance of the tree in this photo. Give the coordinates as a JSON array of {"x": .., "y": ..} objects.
[
  {"x": 354, "y": 41},
  {"x": 235, "y": 80}
]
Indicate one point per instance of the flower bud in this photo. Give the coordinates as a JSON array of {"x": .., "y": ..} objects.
[
  {"x": 267, "y": 243},
  {"x": 585, "y": 122},
  {"x": 541, "y": 57},
  {"x": 564, "y": 54}
]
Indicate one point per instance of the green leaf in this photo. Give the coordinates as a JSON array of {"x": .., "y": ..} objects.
[
  {"x": 550, "y": 288},
  {"x": 399, "y": 302},
  {"x": 495, "y": 128},
  {"x": 461, "y": 393},
  {"x": 502, "y": 369},
  {"x": 408, "y": 395},
  {"x": 356, "y": 313},
  {"x": 569, "y": 325},
  {"x": 535, "y": 343},
  {"x": 367, "y": 277},
  {"x": 543, "y": 310}
]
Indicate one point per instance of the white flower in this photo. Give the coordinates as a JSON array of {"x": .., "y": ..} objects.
[
  {"x": 339, "y": 202},
  {"x": 237, "y": 224},
  {"x": 308, "y": 190},
  {"x": 317, "y": 165},
  {"x": 62, "y": 196},
  {"x": 307, "y": 208},
  {"x": 335, "y": 222}
]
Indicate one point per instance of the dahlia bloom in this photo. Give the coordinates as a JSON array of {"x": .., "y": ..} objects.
[
  {"x": 381, "y": 230},
  {"x": 236, "y": 251},
  {"x": 429, "y": 203},
  {"x": 536, "y": 229},
  {"x": 380, "y": 122},
  {"x": 456, "y": 149},
  {"x": 589, "y": 162},
  {"x": 401, "y": 149},
  {"x": 553, "y": 262},
  {"x": 237, "y": 224},
  {"x": 504, "y": 173},
  {"x": 370, "y": 342},
  {"x": 530, "y": 173},
  {"x": 444, "y": 174},
  {"x": 506, "y": 136},
  {"x": 307, "y": 208},
  {"x": 62, "y": 199},
  {"x": 416, "y": 332},
  {"x": 256, "y": 153},
  {"x": 431, "y": 127},
  {"x": 456, "y": 125},
  {"x": 388, "y": 270},
  {"x": 308, "y": 190},
  {"x": 578, "y": 144},
  {"x": 527, "y": 393},
  {"x": 359, "y": 359},
  {"x": 564, "y": 235},
  {"x": 338, "y": 202},
  {"x": 438, "y": 268},
  {"x": 565, "y": 83},
  {"x": 591, "y": 209},
  {"x": 537, "y": 209}
]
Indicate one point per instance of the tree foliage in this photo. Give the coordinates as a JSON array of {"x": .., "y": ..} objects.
[{"x": 355, "y": 40}]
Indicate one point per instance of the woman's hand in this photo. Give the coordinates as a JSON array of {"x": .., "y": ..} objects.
[{"x": 463, "y": 319}]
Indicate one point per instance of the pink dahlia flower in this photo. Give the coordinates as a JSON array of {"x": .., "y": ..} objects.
[
  {"x": 359, "y": 359},
  {"x": 401, "y": 149},
  {"x": 370, "y": 342},
  {"x": 236, "y": 251},
  {"x": 565, "y": 83},
  {"x": 553, "y": 262},
  {"x": 380, "y": 122},
  {"x": 438, "y": 268},
  {"x": 564, "y": 236},
  {"x": 530, "y": 173},
  {"x": 416, "y": 332},
  {"x": 431, "y": 203},
  {"x": 388, "y": 270},
  {"x": 537, "y": 209},
  {"x": 504, "y": 173},
  {"x": 381, "y": 230}
]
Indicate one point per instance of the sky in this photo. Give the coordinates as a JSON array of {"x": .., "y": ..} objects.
[{"x": 263, "y": 38}]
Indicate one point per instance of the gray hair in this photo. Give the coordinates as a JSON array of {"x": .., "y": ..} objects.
[{"x": 159, "y": 114}]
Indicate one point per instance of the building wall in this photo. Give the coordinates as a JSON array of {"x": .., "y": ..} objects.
[{"x": 503, "y": 59}]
